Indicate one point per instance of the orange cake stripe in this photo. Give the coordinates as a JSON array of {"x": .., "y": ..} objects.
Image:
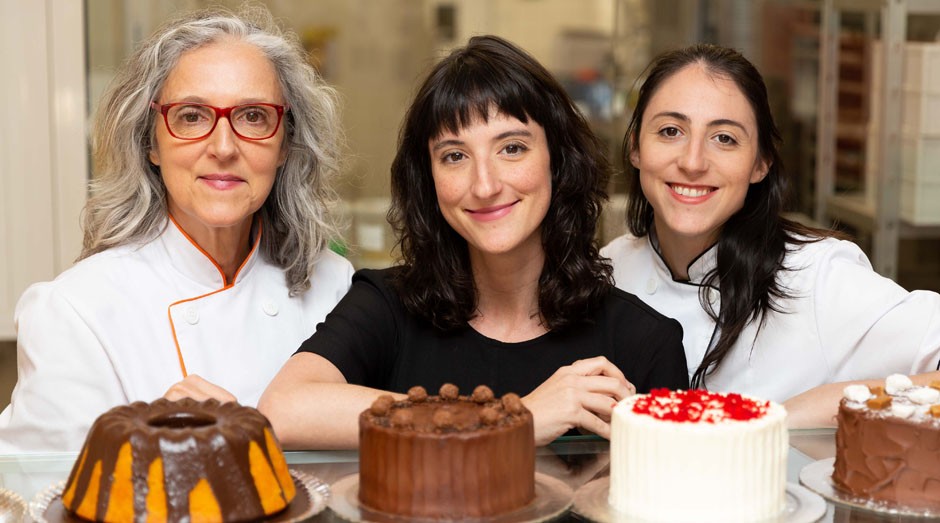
[
  {"x": 121, "y": 499},
  {"x": 265, "y": 482},
  {"x": 280, "y": 466},
  {"x": 203, "y": 507},
  {"x": 70, "y": 493},
  {"x": 89, "y": 505},
  {"x": 156, "y": 496}
]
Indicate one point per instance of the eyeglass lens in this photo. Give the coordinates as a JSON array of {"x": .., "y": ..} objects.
[{"x": 196, "y": 121}]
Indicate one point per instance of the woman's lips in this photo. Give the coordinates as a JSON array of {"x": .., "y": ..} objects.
[
  {"x": 691, "y": 192},
  {"x": 222, "y": 181},
  {"x": 488, "y": 214}
]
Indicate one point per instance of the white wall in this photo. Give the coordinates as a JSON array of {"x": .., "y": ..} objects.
[{"x": 43, "y": 152}]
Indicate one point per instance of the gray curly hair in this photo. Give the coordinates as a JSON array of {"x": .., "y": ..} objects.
[{"x": 128, "y": 201}]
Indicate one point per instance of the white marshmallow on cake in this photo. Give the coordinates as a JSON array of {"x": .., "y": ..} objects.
[
  {"x": 857, "y": 393},
  {"x": 923, "y": 395},
  {"x": 902, "y": 410},
  {"x": 895, "y": 384}
]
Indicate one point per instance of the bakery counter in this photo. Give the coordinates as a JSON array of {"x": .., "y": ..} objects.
[{"x": 575, "y": 461}]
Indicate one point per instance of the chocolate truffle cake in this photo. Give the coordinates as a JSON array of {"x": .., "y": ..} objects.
[
  {"x": 446, "y": 456},
  {"x": 888, "y": 443},
  {"x": 179, "y": 461}
]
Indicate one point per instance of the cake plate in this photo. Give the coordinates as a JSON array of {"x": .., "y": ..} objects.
[
  {"x": 12, "y": 506},
  {"x": 590, "y": 502},
  {"x": 312, "y": 497},
  {"x": 818, "y": 477},
  {"x": 552, "y": 499}
]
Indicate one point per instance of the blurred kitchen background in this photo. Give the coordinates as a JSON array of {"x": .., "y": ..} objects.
[{"x": 822, "y": 60}]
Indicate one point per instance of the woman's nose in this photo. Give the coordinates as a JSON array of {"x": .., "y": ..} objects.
[
  {"x": 222, "y": 140},
  {"x": 692, "y": 159},
  {"x": 485, "y": 180}
]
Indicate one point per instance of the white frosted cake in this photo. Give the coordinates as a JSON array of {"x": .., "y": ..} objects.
[{"x": 698, "y": 456}]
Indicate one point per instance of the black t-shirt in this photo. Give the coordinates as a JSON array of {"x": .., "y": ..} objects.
[{"x": 374, "y": 341}]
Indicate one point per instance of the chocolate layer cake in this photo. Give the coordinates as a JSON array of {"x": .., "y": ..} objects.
[
  {"x": 888, "y": 444},
  {"x": 446, "y": 456}
]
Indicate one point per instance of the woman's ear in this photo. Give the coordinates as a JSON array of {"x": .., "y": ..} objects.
[
  {"x": 154, "y": 156},
  {"x": 634, "y": 155},
  {"x": 760, "y": 171}
]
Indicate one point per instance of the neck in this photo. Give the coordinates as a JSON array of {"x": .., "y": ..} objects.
[
  {"x": 680, "y": 251},
  {"x": 507, "y": 294},
  {"x": 228, "y": 247}
]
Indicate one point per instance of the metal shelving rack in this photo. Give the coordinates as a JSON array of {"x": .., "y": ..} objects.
[{"x": 882, "y": 218}]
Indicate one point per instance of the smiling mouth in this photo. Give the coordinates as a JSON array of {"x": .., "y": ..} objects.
[
  {"x": 222, "y": 178},
  {"x": 690, "y": 191},
  {"x": 490, "y": 210}
]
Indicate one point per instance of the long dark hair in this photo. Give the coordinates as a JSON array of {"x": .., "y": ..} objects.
[
  {"x": 753, "y": 242},
  {"x": 436, "y": 281}
]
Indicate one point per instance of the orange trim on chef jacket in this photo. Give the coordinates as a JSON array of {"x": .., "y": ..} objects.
[{"x": 226, "y": 285}]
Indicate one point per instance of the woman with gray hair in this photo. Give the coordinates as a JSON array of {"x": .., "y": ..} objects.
[{"x": 205, "y": 259}]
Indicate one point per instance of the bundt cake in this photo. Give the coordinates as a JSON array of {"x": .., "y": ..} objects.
[
  {"x": 446, "y": 456},
  {"x": 180, "y": 460}
]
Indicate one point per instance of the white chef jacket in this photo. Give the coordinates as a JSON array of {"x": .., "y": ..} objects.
[
  {"x": 843, "y": 322},
  {"x": 105, "y": 332}
]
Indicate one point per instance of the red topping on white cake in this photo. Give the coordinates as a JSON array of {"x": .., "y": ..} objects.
[{"x": 699, "y": 406}]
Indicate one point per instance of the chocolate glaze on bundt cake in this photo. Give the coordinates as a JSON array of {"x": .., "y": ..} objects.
[
  {"x": 179, "y": 461},
  {"x": 446, "y": 456}
]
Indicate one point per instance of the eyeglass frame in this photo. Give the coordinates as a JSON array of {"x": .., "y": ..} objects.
[{"x": 220, "y": 112}]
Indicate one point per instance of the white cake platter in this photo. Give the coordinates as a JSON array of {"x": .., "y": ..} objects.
[
  {"x": 552, "y": 499},
  {"x": 590, "y": 502},
  {"x": 817, "y": 476},
  {"x": 311, "y": 499},
  {"x": 12, "y": 506}
]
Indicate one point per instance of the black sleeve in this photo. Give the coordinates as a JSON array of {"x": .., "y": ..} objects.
[
  {"x": 668, "y": 366},
  {"x": 649, "y": 345},
  {"x": 360, "y": 335}
]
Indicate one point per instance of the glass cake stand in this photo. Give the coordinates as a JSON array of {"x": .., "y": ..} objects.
[{"x": 574, "y": 461}]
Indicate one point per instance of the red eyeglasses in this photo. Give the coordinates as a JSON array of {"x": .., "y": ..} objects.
[{"x": 192, "y": 121}]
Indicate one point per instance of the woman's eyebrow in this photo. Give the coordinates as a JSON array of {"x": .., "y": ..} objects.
[
  {"x": 501, "y": 136},
  {"x": 713, "y": 123}
]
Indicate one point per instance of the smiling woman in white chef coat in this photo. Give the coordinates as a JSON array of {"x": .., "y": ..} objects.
[
  {"x": 205, "y": 261},
  {"x": 767, "y": 306}
]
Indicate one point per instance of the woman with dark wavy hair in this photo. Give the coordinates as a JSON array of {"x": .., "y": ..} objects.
[
  {"x": 768, "y": 306},
  {"x": 496, "y": 191}
]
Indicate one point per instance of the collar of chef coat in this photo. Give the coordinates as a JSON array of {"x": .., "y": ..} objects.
[
  {"x": 193, "y": 262},
  {"x": 697, "y": 269}
]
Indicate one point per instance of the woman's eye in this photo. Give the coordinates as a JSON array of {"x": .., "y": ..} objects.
[
  {"x": 670, "y": 132},
  {"x": 452, "y": 157},
  {"x": 726, "y": 139},
  {"x": 514, "y": 148}
]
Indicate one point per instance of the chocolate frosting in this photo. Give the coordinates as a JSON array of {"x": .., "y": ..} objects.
[
  {"x": 464, "y": 457},
  {"x": 195, "y": 440},
  {"x": 888, "y": 458}
]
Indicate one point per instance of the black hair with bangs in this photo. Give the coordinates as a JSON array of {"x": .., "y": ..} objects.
[{"x": 491, "y": 74}]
